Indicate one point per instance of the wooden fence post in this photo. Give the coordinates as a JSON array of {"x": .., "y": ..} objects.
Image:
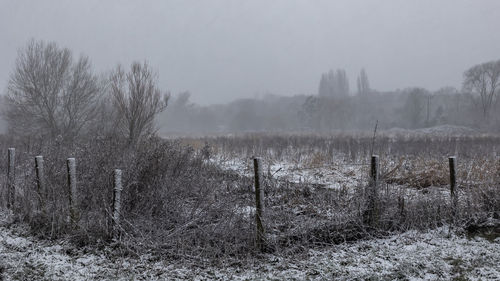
[
  {"x": 40, "y": 180},
  {"x": 453, "y": 184},
  {"x": 259, "y": 205},
  {"x": 11, "y": 175},
  {"x": 371, "y": 215},
  {"x": 374, "y": 170},
  {"x": 117, "y": 190},
  {"x": 71, "y": 167}
]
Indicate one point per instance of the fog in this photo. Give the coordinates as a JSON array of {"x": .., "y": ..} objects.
[{"x": 222, "y": 51}]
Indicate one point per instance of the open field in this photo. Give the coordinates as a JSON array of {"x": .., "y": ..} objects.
[
  {"x": 250, "y": 140},
  {"x": 188, "y": 209}
]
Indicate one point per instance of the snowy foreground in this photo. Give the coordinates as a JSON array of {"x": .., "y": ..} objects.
[
  {"x": 438, "y": 254},
  {"x": 431, "y": 255}
]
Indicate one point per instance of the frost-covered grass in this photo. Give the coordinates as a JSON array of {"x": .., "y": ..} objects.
[
  {"x": 438, "y": 254},
  {"x": 186, "y": 216},
  {"x": 335, "y": 175}
]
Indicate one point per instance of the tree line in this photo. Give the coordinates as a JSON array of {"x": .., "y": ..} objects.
[
  {"x": 51, "y": 94},
  {"x": 335, "y": 108}
]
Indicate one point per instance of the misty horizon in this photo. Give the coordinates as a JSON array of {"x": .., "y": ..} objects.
[{"x": 221, "y": 51}]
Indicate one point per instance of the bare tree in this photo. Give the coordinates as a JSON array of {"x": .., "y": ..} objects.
[
  {"x": 48, "y": 94},
  {"x": 334, "y": 84},
  {"x": 362, "y": 83},
  {"x": 484, "y": 80},
  {"x": 137, "y": 100},
  {"x": 413, "y": 109},
  {"x": 342, "y": 83}
]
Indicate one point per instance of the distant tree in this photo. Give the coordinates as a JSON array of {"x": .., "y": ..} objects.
[
  {"x": 182, "y": 100},
  {"x": 448, "y": 90},
  {"x": 180, "y": 114},
  {"x": 362, "y": 83},
  {"x": 484, "y": 80},
  {"x": 428, "y": 99},
  {"x": 245, "y": 117},
  {"x": 341, "y": 83},
  {"x": 137, "y": 100},
  {"x": 50, "y": 94},
  {"x": 439, "y": 115},
  {"x": 413, "y": 110},
  {"x": 324, "y": 84},
  {"x": 310, "y": 112},
  {"x": 334, "y": 84}
]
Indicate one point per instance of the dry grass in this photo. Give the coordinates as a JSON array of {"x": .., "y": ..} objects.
[{"x": 177, "y": 205}]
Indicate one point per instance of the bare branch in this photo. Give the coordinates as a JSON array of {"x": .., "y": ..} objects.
[
  {"x": 48, "y": 94},
  {"x": 137, "y": 100}
]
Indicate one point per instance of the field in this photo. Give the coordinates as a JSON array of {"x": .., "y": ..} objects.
[
  {"x": 413, "y": 255},
  {"x": 188, "y": 209}
]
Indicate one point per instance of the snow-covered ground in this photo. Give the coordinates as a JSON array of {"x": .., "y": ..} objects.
[
  {"x": 431, "y": 255},
  {"x": 442, "y": 130},
  {"x": 336, "y": 175},
  {"x": 438, "y": 254}
]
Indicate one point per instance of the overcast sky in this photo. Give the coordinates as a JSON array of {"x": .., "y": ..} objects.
[{"x": 227, "y": 49}]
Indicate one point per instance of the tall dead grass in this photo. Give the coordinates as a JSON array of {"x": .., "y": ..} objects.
[{"x": 177, "y": 205}]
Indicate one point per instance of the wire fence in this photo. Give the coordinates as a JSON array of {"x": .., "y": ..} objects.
[{"x": 373, "y": 184}]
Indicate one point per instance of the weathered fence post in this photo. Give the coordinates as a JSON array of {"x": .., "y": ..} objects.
[
  {"x": 11, "y": 174},
  {"x": 71, "y": 166},
  {"x": 372, "y": 206},
  {"x": 117, "y": 191},
  {"x": 259, "y": 205},
  {"x": 374, "y": 170},
  {"x": 40, "y": 182},
  {"x": 453, "y": 184}
]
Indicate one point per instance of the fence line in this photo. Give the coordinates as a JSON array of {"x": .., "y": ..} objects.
[
  {"x": 41, "y": 189},
  {"x": 371, "y": 211}
]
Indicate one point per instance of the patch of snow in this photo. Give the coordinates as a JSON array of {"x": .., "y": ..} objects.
[
  {"x": 335, "y": 175},
  {"x": 441, "y": 130},
  {"x": 246, "y": 211},
  {"x": 432, "y": 255}
]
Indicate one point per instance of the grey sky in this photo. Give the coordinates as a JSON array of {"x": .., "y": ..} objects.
[{"x": 227, "y": 49}]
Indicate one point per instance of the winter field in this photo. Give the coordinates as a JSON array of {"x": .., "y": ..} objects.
[
  {"x": 249, "y": 140},
  {"x": 431, "y": 255},
  {"x": 189, "y": 210}
]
